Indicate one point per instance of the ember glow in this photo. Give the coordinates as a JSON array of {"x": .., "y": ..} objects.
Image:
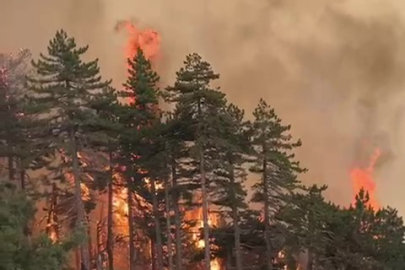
[
  {"x": 362, "y": 178},
  {"x": 197, "y": 214}
]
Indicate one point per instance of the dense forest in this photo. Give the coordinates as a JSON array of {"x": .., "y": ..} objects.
[{"x": 94, "y": 177}]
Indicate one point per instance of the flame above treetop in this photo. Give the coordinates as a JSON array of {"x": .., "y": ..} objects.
[
  {"x": 362, "y": 178},
  {"x": 148, "y": 40}
]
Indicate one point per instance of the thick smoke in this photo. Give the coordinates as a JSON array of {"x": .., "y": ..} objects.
[{"x": 333, "y": 69}]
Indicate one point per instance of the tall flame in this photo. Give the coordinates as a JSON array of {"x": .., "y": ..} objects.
[
  {"x": 362, "y": 178},
  {"x": 148, "y": 40}
]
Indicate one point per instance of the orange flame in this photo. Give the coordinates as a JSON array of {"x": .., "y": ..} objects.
[
  {"x": 362, "y": 178},
  {"x": 148, "y": 40},
  {"x": 197, "y": 214}
]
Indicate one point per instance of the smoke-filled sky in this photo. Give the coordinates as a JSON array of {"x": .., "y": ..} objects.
[{"x": 332, "y": 69}]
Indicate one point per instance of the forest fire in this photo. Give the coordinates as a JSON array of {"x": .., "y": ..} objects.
[
  {"x": 141, "y": 185},
  {"x": 362, "y": 178}
]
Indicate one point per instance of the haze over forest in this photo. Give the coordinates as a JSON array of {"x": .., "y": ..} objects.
[{"x": 332, "y": 69}]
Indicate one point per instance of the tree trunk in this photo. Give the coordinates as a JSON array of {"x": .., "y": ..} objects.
[
  {"x": 110, "y": 221},
  {"x": 99, "y": 262},
  {"x": 266, "y": 215},
  {"x": 52, "y": 218},
  {"x": 158, "y": 230},
  {"x": 168, "y": 224},
  {"x": 153, "y": 253},
  {"x": 27, "y": 230},
  {"x": 77, "y": 259},
  {"x": 235, "y": 217},
  {"x": 21, "y": 169},
  {"x": 228, "y": 262},
  {"x": 22, "y": 178},
  {"x": 310, "y": 262},
  {"x": 99, "y": 229},
  {"x": 10, "y": 167},
  {"x": 90, "y": 247},
  {"x": 207, "y": 253},
  {"x": 81, "y": 213},
  {"x": 131, "y": 228},
  {"x": 177, "y": 221}
]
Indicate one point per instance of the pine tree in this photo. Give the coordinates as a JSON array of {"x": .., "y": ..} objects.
[
  {"x": 389, "y": 231},
  {"x": 228, "y": 189},
  {"x": 273, "y": 161},
  {"x": 198, "y": 110},
  {"x": 307, "y": 217},
  {"x": 9, "y": 124},
  {"x": 139, "y": 144},
  {"x": 8, "y": 119},
  {"x": 363, "y": 238},
  {"x": 15, "y": 118},
  {"x": 104, "y": 139},
  {"x": 63, "y": 89},
  {"x": 17, "y": 252},
  {"x": 179, "y": 186},
  {"x": 178, "y": 172}
]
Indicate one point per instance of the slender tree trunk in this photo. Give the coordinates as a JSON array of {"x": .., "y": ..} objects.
[
  {"x": 22, "y": 178},
  {"x": 310, "y": 262},
  {"x": 90, "y": 247},
  {"x": 206, "y": 229},
  {"x": 77, "y": 259},
  {"x": 238, "y": 254},
  {"x": 52, "y": 218},
  {"x": 131, "y": 228},
  {"x": 158, "y": 230},
  {"x": 207, "y": 253},
  {"x": 99, "y": 261},
  {"x": 168, "y": 225},
  {"x": 228, "y": 262},
  {"x": 110, "y": 221},
  {"x": 81, "y": 213},
  {"x": 267, "y": 217},
  {"x": 10, "y": 167},
  {"x": 153, "y": 253},
  {"x": 235, "y": 217},
  {"x": 177, "y": 221},
  {"x": 21, "y": 170}
]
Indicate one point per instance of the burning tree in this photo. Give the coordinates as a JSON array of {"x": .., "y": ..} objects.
[
  {"x": 140, "y": 148},
  {"x": 63, "y": 88},
  {"x": 199, "y": 114}
]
